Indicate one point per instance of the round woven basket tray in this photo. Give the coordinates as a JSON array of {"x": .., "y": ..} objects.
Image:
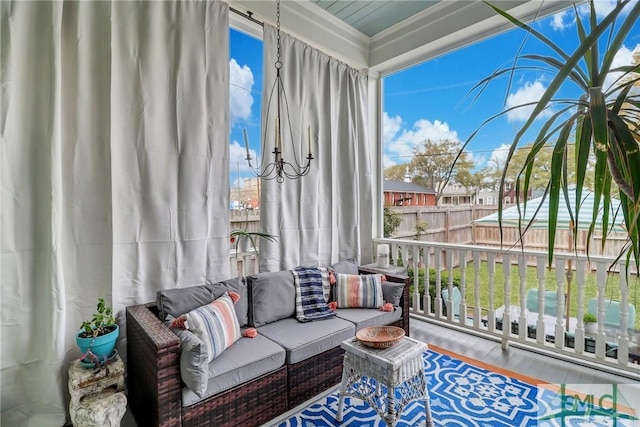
[{"x": 380, "y": 336}]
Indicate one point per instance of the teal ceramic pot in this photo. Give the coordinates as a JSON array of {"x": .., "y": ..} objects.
[{"x": 102, "y": 347}]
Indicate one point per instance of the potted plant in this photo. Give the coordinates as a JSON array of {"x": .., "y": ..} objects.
[
  {"x": 599, "y": 126},
  {"x": 97, "y": 337},
  {"x": 244, "y": 240},
  {"x": 590, "y": 323}
]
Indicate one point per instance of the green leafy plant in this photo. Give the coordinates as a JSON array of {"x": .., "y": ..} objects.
[
  {"x": 589, "y": 318},
  {"x": 392, "y": 221},
  {"x": 602, "y": 122},
  {"x": 101, "y": 323},
  {"x": 252, "y": 236}
]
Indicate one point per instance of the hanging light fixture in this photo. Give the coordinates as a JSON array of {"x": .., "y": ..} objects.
[{"x": 279, "y": 168}]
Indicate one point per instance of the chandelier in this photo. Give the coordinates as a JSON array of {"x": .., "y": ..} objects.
[{"x": 279, "y": 168}]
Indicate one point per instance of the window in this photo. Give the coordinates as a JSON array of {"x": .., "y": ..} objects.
[{"x": 245, "y": 94}]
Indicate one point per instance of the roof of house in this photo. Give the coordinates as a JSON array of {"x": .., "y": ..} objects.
[{"x": 406, "y": 187}]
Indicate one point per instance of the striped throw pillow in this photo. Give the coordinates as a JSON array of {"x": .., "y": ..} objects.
[
  {"x": 216, "y": 324},
  {"x": 363, "y": 291}
]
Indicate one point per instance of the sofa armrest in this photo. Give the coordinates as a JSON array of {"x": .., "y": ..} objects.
[
  {"x": 396, "y": 278},
  {"x": 153, "y": 368}
]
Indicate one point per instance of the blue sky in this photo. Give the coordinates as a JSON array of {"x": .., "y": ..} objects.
[{"x": 427, "y": 101}]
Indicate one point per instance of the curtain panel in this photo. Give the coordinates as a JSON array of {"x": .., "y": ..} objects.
[
  {"x": 325, "y": 216},
  {"x": 115, "y": 175}
]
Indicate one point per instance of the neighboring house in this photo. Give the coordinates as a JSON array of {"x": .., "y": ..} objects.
[
  {"x": 403, "y": 193},
  {"x": 489, "y": 197},
  {"x": 456, "y": 194}
]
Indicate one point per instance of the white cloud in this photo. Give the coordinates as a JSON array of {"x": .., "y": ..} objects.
[
  {"x": 530, "y": 92},
  {"x": 603, "y": 8},
  {"x": 240, "y": 97},
  {"x": 238, "y": 158},
  {"x": 623, "y": 57},
  {"x": 561, "y": 21},
  {"x": 390, "y": 127},
  {"x": 402, "y": 146},
  {"x": 499, "y": 156}
]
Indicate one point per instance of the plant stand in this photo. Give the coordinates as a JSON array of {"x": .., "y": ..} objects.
[{"x": 97, "y": 397}]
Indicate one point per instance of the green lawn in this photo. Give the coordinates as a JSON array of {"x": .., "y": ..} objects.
[{"x": 612, "y": 291}]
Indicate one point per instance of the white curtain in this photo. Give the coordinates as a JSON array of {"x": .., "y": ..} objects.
[
  {"x": 115, "y": 177},
  {"x": 325, "y": 216}
]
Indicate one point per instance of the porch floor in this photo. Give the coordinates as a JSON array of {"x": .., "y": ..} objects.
[{"x": 544, "y": 367}]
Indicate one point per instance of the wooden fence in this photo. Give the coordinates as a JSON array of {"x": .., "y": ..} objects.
[{"x": 455, "y": 225}]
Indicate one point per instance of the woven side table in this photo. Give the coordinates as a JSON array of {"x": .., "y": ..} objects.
[
  {"x": 399, "y": 369},
  {"x": 97, "y": 397}
]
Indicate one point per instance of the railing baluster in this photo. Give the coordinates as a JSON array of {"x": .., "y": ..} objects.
[
  {"x": 491, "y": 268},
  {"x": 623, "y": 341},
  {"x": 541, "y": 269},
  {"x": 560, "y": 275},
  {"x": 522, "y": 320},
  {"x": 463, "y": 288},
  {"x": 416, "y": 289},
  {"x": 438, "y": 295},
  {"x": 449, "y": 300},
  {"x": 601, "y": 280},
  {"x": 414, "y": 264},
  {"x": 506, "y": 316},
  {"x": 427, "y": 292},
  {"x": 476, "y": 289},
  {"x": 578, "y": 341}
]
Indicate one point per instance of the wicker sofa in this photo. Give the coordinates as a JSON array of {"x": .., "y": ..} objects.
[{"x": 158, "y": 395}]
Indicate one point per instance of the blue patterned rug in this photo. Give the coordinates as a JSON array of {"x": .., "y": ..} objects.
[{"x": 464, "y": 395}]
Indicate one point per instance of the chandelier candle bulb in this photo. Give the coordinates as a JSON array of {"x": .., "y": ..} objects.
[
  {"x": 278, "y": 134},
  {"x": 309, "y": 139}
]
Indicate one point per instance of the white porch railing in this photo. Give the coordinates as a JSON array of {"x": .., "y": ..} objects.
[
  {"x": 243, "y": 263},
  {"x": 497, "y": 303}
]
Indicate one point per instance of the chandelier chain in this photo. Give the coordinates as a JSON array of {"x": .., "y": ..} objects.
[{"x": 278, "y": 62}]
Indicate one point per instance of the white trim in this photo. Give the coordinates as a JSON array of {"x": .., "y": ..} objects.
[
  {"x": 446, "y": 27},
  {"x": 314, "y": 26}
]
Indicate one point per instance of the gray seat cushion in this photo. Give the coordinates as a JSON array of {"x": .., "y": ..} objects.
[
  {"x": 304, "y": 340},
  {"x": 365, "y": 317},
  {"x": 246, "y": 359}
]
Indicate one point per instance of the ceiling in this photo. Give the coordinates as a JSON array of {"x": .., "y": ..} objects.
[
  {"x": 370, "y": 17},
  {"x": 384, "y": 36}
]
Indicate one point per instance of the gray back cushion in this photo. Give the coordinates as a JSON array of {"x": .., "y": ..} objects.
[
  {"x": 273, "y": 297},
  {"x": 182, "y": 300},
  {"x": 392, "y": 292},
  {"x": 348, "y": 266}
]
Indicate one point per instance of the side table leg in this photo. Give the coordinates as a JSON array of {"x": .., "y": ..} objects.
[
  {"x": 343, "y": 389},
  {"x": 392, "y": 416},
  {"x": 427, "y": 402}
]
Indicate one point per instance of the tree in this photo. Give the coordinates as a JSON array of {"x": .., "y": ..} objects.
[
  {"x": 392, "y": 221},
  {"x": 396, "y": 172},
  {"x": 431, "y": 165}
]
